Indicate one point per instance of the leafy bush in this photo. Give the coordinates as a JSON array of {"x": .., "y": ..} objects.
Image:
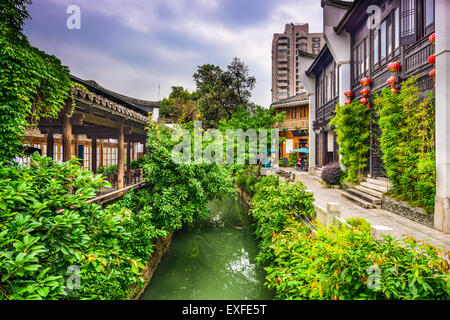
[
  {"x": 180, "y": 191},
  {"x": 274, "y": 203},
  {"x": 109, "y": 170},
  {"x": 360, "y": 223},
  {"x": 339, "y": 262},
  {"x": 331, "y": 173},
  {"x": 293, "y": 159},
  {"x": 46, "y": 226},
  {"x": 407, "y": 123},
  {"x": 246, "y": 178},
  {"x": 352, "y": 122}
]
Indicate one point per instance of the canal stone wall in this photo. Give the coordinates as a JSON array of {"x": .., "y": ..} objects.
[
  {"x": 402, "y": 208},
  {"x": 160, "y": 249}
]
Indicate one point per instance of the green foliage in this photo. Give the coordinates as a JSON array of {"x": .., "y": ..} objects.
[
  {"x": 352, "y": 122},
  {"x": 293, "y": 159},
  {"x": 181, "y": 105},
  {"x": 32, "y": 83},
  {"x": 137, "y": 164},
  {"x": 274, "y": 203},
  {"x": 246, "y": 178},
  {"x": 109, "y": 170},
  {"x": 180, "y": 191},
  {"x": 337, "y": 262},
  {"x": 341, "y": 263},
  {"x": 256, "y": 119},
  {"x": 221, "y": 92},
  {"x": 359, "y": 223},
  {"x": 407, "y": 123},
  {"x": 46, "y": 226}
]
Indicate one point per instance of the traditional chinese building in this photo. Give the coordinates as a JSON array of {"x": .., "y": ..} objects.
[
  {"x": 295, "y": 126},
  {"x": 104, "y": 129}
]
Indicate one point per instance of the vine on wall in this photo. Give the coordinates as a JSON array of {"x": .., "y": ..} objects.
[
  {"x": 33, "y": 84},
  {"x": 407, "y": 124},
  {"x": 352, "y": 122}
]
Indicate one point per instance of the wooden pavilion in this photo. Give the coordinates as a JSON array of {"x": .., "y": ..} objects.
[{"x": 105, "y": 128}]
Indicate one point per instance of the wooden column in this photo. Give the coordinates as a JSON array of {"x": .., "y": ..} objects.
[
  {"x": 67, "y": 138},
  {"x": 94, "y": 154},
  {"x": 128, "y": 161},
  {"x": 50, "y": 143},
  {"x": 121, "y": 158},
  {"x": 100, "y": 162}
]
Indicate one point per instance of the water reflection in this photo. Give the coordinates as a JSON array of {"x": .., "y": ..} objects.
[{"x": 212, "y": 259}]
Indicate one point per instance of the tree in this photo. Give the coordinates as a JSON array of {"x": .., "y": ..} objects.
[
  {"x": 181, "y": 105},
  {"x": 221, "y": 92}
]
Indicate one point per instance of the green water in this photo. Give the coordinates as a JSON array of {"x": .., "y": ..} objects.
[{"x": 212, "y": 259}]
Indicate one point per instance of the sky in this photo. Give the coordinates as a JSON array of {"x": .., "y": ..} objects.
[{"x": 134, "y": 46}]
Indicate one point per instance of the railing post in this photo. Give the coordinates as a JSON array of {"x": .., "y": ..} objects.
[{"x": 333, "y": 211}]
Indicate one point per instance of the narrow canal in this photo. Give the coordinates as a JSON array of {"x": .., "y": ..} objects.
[{"x": 212, "y": 259}]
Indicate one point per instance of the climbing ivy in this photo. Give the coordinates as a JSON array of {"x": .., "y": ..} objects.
[
  {"x": 407, "y": 122},
  {"x": 352, "y": 122},
  {"x": 33, "y": 84}
]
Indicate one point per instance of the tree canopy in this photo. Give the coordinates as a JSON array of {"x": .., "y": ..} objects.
[{"x": 220, "y": 91}]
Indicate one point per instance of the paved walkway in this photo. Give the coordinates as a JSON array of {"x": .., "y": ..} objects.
[{"x": 391, "y": 223}]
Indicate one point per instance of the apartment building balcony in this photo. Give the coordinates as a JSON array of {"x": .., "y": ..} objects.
[
  {"x": 282, "y": 59},
  {"x": 293, "y": 124}
]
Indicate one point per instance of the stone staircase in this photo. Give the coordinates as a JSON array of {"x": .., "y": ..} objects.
[{"x": 369, "y": 193}]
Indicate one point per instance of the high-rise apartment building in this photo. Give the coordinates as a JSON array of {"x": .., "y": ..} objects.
[{"x": 288, "y": 49}]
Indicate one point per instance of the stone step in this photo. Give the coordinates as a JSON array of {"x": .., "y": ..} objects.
[
  {"x": 360, "y": 202},
  {"x": 372, "y": 192},
  {"x": 375, "y": 187},
  {"x": 383, "y": 183},
  {"x": 365, "y": 196}
]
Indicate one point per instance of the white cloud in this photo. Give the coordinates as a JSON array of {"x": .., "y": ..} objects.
[{"x": 195, "y": 20}]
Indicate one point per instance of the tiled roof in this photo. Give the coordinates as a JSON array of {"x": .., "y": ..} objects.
[{"x": 300, "y": 98}]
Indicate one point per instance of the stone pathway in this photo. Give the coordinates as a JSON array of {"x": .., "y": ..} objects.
[{"x": 389, "y": 222}]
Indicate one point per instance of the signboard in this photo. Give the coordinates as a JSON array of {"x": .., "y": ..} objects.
[{"x": 289, "y": 145}]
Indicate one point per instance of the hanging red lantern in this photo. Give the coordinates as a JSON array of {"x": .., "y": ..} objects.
[
  {"x": 432, "y": 39},
  {"x": 365, "y": 82},
  {"x": 391, "y": 81},
  {"x": 364, "y": 92},
  {"x": 393, "y": 90},
  {"x": 432, "y": 59},
  {"x": 364, "y": 100},
  {"x": 349, "y": 93},
  {"x": 394, "y": 67},
  {"x": 432, "y": 74}
]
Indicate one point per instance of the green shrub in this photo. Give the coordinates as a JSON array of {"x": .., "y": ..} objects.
[
  {"x": 293, "y": 159},
  {"x": 407, "y": 123},
  {"x": 46, "y": 226},
  {"x": 339, "y": 262},
  {"x": 352, "y": 122}
]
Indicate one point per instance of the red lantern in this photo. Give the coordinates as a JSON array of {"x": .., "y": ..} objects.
[
  {"x": 348, "y": 102},
  {"x": 365, "y": 82},
  {"x": 432, "y": 73},
  {"x": 394, "y": 67},
  {"x": 432, "y": 59},
  {"x": 348, "y": 93},
  {"x": 364, "y": 100},
  {"x": 393, "y": 90},
  {"x": 432, "y": 39},
  {"x": 364, "y": 92},
  {"x": 391, "y": 80}
]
